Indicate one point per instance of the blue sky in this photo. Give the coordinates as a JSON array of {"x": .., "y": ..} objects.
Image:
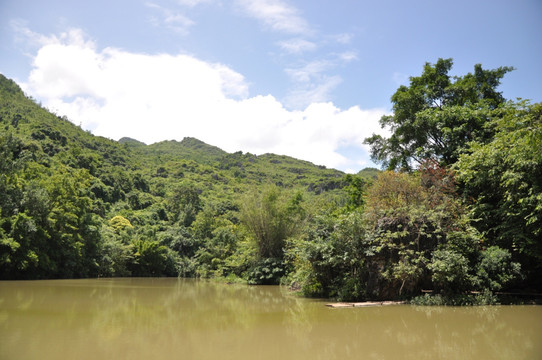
[{"x": 309, "y": 79}]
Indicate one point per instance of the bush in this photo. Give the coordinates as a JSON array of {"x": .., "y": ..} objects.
[
  {"x": 495, "y": 269},
  {"x": 267, "y": 272},
  {"x": 483, "y": 298},
  {"x": 329, "y": 262},
  {"x": 450, "y": 271}
]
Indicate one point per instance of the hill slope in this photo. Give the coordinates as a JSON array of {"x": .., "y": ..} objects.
[{"x": 75, "y": 204}]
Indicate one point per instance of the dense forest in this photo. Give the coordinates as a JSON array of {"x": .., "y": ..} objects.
[{"x": 457, "y": 210}]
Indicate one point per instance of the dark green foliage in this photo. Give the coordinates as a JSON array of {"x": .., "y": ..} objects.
[
  {"x": 150, "y": 258},
  {"x": 483, "y": 298},
  {"x": 413, "y": 233},
  {"x": 450, "y": 271},
  {"x": 268, "y": 271},
  {"x": 437, "y": 115},
  {"x": 502, "y": 180},
  {"x": 495, "y": 269},
  {"x": 330, "y": 261}
]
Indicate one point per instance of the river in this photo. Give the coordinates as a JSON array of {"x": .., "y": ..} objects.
[{"x": 164, "y": 318}]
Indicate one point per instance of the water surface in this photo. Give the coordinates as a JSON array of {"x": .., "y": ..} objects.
[{"x": 189, "y": 319}]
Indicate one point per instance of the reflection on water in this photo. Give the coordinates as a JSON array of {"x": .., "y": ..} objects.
[{"x": 189, "y": 319}]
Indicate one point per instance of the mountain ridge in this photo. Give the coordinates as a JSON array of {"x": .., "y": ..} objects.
[{"x": 57, "y": 137}]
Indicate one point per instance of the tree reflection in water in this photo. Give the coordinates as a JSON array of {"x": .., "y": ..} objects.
[{"x": 191, "y": 319}]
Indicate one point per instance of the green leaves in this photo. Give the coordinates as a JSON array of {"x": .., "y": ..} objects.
[
  {"x": 505, "y": 178},
  {"x": 496, "y": 269},
  {"x": 437, "y": 115},
  {"x": 271, "y": 217},
  {"x": 150, "y": 258},
  {"x": 267, "y": 272}
]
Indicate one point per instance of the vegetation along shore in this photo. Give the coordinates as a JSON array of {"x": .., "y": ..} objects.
[{"x": 457, "y": 207}]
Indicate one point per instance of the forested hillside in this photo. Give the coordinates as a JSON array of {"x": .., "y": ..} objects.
[
  {"x": 458, "y": 210},
  {"x": 78, "y": 205}
]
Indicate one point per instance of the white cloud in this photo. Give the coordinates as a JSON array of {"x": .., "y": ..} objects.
[
  {"x": 173, "y": 20},
  {"x": 312, "y": 82},
  {"x": 151, "y": 98},
  {"x": 297, "y": 45},
  {"x": 305, "y": 94},
  {"x": 309, "y": 71},
  {"x": 25, "y": 35},
  {"x": 192, "y": 3},
  {"x": 343, "y": 38},
  {"x": 276, "y": 14},
  {"x": 348, "y": 56}
]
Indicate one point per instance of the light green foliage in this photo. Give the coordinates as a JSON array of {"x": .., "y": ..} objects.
[
  {"x": 120, "y": 223},
  {"x": 116, "y": 253},
  {"x": 271, "y": 217},
  {"x": 77, "y": 205},
  {"x": 213, "y": 256}
]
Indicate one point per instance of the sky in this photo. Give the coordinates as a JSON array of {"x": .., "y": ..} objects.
[{"x": 306, "y": 78}]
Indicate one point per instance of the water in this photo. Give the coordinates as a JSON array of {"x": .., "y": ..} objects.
[{"x": 188, "y": 319}]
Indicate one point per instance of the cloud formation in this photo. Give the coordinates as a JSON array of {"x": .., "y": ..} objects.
[
  {"x": 297, "y": 45},
  {"x": 276, "y": 15},
  {"x": 115, "y": 93},
  {"x": 312, "y": 75},
  {"x": 175, "y": 21}
]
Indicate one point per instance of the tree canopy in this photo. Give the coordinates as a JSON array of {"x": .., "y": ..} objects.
[
  {"x": 504, "y": 179},
  {"x": 437, "y": 115}
]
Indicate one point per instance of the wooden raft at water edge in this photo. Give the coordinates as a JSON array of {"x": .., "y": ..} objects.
[{"x": 341, "y": 305}]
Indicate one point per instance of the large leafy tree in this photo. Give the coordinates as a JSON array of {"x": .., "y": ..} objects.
[{"x": 437, "y": 115}]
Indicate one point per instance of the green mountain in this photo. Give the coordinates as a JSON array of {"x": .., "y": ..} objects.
[{"x": 62, "y": 185}]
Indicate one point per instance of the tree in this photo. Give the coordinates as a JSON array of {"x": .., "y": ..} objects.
[
  {"x": 120, "y": 223},
  {"x": 271, "y": 217},
  {"x": 355, "y": 191},
  {"x": 503, "y": 179},
  {"x": 150, "y": 258},
  {"x": 184, "y": 204},
  {"x": 437, "y": 115},
  {"x": 74, "y": 229}
]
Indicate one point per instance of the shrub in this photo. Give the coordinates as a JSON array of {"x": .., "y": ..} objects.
[
  {"x": 495, "y": 269},
  {"x": 267, "y": 272}
]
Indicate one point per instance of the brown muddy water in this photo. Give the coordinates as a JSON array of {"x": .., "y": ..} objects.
[{"x": 190, "y": 319}]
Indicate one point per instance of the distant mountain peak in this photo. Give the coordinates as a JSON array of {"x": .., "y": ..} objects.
[{"x": 130, "y": 141}]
